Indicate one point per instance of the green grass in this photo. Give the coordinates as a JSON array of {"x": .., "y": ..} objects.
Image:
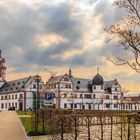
[
  {"x": 28, "y": 123},
  {"x": 24, "y": 112}
]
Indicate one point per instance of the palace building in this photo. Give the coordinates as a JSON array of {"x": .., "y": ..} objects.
[{"x": 95, "y": 93}]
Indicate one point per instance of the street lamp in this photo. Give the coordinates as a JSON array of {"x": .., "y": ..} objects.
[{"x": 20, "y": 103}]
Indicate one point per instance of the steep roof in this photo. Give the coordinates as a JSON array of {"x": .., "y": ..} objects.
[
  {"x": 19, "y": 85},
  {"x": 56, "y": 79},
  {"x": 80, "y": 84},
  {"x": 108, "y": 84}
]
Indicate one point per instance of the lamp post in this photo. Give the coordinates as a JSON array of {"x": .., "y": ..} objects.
[
  {"x": 20, "y": 103},
  {"x": 37, "y": 93}
]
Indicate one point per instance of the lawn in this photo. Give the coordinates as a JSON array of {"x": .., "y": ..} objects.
[
  {"x": 27, "y": 120},
  {"x": 27, "y": 124},
  {"x": 24, "y": 112}
]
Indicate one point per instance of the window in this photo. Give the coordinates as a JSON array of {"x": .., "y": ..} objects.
[
  {"x": 12, "y": 104},
  {"x": 83, "y": 106},
  {"x": 5, "y": 97},
  {"x": 94, "y": 96},
  {"x": 65, "y": 95},
  {"x": 78, "y": 82},
  {"x": 107, "y": 105},
  {"x": 116, "y": 97},
  {"x": 34, "y": 86},
  {"x": 115, "y": 89},
  {"x": 1, "y": 97},
  {"x": 15, "y": 96},
  {"x": 115, "y": 105},
  {"x": 77, "y": 87},
  {"x": 65, "y": 105},
  {"x": 94, "y": 87},
  {"x": 18, "y": 83},
  {"x": 87, "y": 96},
  {"x": 12, "y": 96},
  {"x": 66, "y": 79},
  {"x": 69, "y": 86},
  {"x": 75, "y": 105},
  {"x": 107, "y": 97},
  {"x": 89, "y": 106},
  {"x": 22, "y": 95},
  {"x": 71, "y": 105},
  {"x": 5, "y": 105},
  {"x": 66, "y": 86},
  {"x": 9, "y": 96},
  {"x": 81, "y": 96},
  {"x": 2, "y": 105}
]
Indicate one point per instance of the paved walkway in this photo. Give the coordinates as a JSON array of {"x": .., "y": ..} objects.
[{"x": 10, "y": 126}]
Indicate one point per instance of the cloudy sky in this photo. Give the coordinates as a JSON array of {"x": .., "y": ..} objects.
[{"x": 36, "y": 35}]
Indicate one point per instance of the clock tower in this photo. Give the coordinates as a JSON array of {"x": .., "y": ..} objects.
[{"x": 2, "y": 70}]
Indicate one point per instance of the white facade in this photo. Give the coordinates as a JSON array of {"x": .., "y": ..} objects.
[
  {"x": 20, "y": 94},
  {"x": 73, "y": 93}
]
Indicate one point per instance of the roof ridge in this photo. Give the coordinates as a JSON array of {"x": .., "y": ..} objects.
[{"x": 20, "y": 79}]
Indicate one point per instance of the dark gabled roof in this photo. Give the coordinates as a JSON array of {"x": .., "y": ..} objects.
[
  {"x": 19, "y": 85},
  {"x": 56, "y": 79}
]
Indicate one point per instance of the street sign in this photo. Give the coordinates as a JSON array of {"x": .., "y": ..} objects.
[{"x": 49, "y": 96}]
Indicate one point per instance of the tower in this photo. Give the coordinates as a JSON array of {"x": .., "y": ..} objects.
[{"x": 2, "y": 69}]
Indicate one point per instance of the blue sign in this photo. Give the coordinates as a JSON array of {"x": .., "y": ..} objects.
[{"x": 49, "y": 96}]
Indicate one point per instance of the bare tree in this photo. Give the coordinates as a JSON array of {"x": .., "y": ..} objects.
[{"x": 127, "y": 34}]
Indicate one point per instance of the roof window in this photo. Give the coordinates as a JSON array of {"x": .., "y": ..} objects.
[{"x": 78, "y": 82}]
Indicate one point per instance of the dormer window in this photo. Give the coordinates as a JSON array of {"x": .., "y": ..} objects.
[
  {"x": 77, "y": 87},
  {"x": 66, "y": 79},
  {"x": 78, "y": 82},
  {"x": 18, "y": 83},
  {"x": 34, "y": 86}
]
